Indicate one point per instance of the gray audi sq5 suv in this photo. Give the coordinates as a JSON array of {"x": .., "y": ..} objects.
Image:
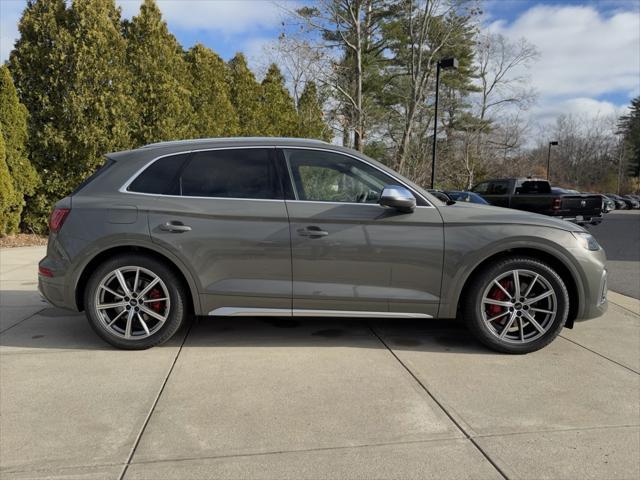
[{"x": 290, "y": 227}]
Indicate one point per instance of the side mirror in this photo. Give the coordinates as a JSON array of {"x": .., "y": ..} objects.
[{"x": 397, "y": 197}]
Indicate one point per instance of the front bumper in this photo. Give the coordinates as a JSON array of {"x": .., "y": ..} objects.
[{"x": 595, "y": 304}]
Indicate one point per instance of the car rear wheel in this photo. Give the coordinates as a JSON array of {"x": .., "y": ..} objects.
[
  {"x": 135, "y": 302},
  {"x": 516, "y": 305}
]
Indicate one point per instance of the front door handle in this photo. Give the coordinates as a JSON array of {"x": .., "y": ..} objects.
[
  {"x": 312, "y": 232},
  {"x": 175, "y": 227}
]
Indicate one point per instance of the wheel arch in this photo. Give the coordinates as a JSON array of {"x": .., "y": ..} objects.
[
  {"x": 562, "y": 268},
  {"x": 173, "y": 264}
]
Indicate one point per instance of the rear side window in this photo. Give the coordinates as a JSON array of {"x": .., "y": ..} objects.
[
  {"x": 237, "y": 173},
  {"x": 161, "y": 177},
  {"x": 498, "y": 188}
]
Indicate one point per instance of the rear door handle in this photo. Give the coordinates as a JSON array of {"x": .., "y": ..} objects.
[
  {"x": 175, "y": 227},
  {"x": 312, "y": 232}
]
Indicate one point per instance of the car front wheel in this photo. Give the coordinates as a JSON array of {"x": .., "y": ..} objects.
[
  {"x": 516, "y": 305},
  {"x": 135, "y": 302}
]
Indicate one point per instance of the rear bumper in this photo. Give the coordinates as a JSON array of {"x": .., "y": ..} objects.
[{"x": 584, "y": 219}]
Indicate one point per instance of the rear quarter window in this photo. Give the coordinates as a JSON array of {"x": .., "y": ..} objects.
[{"x": 161, "y": 177}]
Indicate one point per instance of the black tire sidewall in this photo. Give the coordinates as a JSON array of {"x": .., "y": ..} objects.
[
  {"x": 473, "y": 304},
  {"x": 177, "y": 313}
]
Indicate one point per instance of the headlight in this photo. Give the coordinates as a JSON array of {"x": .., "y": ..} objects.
[{"x": 587, "y": 241}]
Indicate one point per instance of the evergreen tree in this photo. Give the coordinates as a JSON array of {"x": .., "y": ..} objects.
[
  {"x": 213, "y": 113},
  {"x": 278, "y": 107},
  {"x": 13, "y": 123},
  {"x": 629, "y": 126},
  {"x": 311, "y": 123},
  {"x": 160, "y": 87},
  {"x": 41, "y": 68},
  {"x": 245, "y": 97},
  {"x": 8, "y": 197}
]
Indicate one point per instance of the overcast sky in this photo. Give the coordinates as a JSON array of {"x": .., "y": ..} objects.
[{"x": 589, "y": 50}]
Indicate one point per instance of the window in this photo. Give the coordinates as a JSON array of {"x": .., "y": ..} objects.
[
  {"x": 330, "y": 177},
  {"x": 481, "y": 187},
  {"x": 230, "y": 173},
  {"x": 160, "y": 177},
  {"x": 533, "y": 186},
  {"x": 237, "y": 173},
  {"x": 500, "y": 187}
]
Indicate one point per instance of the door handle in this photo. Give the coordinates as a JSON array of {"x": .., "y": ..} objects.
[
  {"x": 175, "y": 227},
  {"x": 312, "y": 232}
]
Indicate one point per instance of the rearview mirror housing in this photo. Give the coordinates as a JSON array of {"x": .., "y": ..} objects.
[{"x": 397, "y": 197}]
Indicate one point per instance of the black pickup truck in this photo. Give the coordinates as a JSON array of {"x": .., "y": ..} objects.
[{"x": 535, "y": 195}]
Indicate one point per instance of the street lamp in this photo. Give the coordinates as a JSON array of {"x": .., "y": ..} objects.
[
  {"x": 554, "y": 143},
  {"x": 445, "y": 64}
]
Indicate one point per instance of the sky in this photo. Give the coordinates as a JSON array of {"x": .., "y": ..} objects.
[{"x": 589, "y": 60}]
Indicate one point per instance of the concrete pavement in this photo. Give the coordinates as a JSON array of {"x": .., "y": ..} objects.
[{"x": 314, "y": 398}]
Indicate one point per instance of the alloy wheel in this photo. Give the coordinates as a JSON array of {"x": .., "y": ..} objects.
[
  {"x": 132, "y": 302},
  {"x": 519, "y": 306}
]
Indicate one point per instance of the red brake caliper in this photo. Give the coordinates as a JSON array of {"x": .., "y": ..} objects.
[
  {"x": 155, "y": 306},
  {"x": 498, "y": 294}
]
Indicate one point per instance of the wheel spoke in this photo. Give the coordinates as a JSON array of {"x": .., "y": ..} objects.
[
  {"x": 516, "y": 283},
  {"x": 151, "y": 284},
  {"x": 143, "y": 323},
  {"x": 153, "y": 300},
  {"x": 496, "y": 317},
  {"x": 135, "y": 281},
  {"x": 521, "y": 328},
  {"x": 542, "y": 296},
  {"x": 104, "y": 306},
  {"x": 502, "y": 288},
  {"x": 533, "y": 322},
  {"x": 535, "y": 279},
  {"x": 112, "y": 292},
  {"x": 122, "y": 282},
  {"x": 115, "y": 319},
  {"x": 500, "y": 303},
  {"x": 153, "y": 314},
  {"x": 542, "y": 310},
  {"x": 127, "y": 331},
  {"x": 506, "y": 328}
]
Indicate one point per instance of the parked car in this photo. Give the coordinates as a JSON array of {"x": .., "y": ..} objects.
[
  {"x": 625, "y": 203},
  {"x": 632, "y": 201},
  {"x": 468, "y": 197},
  {"x": 620, "y": 203},
  {"x": 289, "y": 227},
  {"x": 609, "y": 205},
  {"x": 535, "y": 195},
  {"x": 440, "y": 195}
]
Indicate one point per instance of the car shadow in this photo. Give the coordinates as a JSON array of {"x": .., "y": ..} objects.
[{"x": 53, "y": 328}]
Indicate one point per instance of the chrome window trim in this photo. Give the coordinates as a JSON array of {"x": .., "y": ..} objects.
[
  {"x": 125, "y": 186},
  {"x": 301, "y": 312}
]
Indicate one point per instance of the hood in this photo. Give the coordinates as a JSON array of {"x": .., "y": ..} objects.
[{"x": 470, "y": 213}]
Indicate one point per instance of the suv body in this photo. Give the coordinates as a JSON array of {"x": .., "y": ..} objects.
[
  {"x": 281, "y": 227},
  {"x": 536, "y": 195}
]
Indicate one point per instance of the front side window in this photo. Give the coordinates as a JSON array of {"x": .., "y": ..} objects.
[
  {"x": 481, "y": 187},
  {"x": 330, "y": 177},
  {"x": 498, "y": 188},
  {"x": 232, "y": 173}
]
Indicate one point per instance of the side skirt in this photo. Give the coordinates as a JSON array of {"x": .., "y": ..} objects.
[{"x": 285, "y": 312}]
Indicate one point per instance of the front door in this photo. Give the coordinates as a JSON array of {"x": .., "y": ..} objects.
[{"x": 350, "y": 254}]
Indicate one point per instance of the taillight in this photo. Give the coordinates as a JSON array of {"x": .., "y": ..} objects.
[
  {"x": 45, "y": 272},
  {"x": 556, "y": 204},
  {"x": 57, "y": 218}
]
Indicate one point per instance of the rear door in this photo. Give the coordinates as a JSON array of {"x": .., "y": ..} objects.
[
  {"x": 351, "y": 255},
  {"x": 222, "y": 212}
]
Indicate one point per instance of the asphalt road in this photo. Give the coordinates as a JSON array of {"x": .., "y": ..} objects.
[{"x": 619, "y": 234}]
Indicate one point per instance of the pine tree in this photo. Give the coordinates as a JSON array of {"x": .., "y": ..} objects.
[
  {"x": 278, "y": 107},
  {"x": 160, "y": 87},
  {"x": 8, "y": 196},
  {"x": 213, "y": 113},
  {"x": 41, "y": 68},
  {"x": 311, "y": 123},
  {"x": 13, "y": 123},
  {"x": 629, "y": 126},
  {"x": 245, "y": 97}
]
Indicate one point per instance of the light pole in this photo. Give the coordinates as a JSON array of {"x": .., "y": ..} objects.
[
  {"x": 445, "y": 64},
  {"x": 554, "y": 143}
]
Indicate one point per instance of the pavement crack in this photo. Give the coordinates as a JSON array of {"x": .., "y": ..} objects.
[
  {"x": 453, "y": 420},
  {"x": 600, "y": 355},
  {"x": 154, "y": 404},
  {"x": 23, "y": 320}
]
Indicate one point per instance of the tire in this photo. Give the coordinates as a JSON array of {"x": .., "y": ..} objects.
[
  {"x": 105, "y": 299},
  {"x": 487, "y": 313}
]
